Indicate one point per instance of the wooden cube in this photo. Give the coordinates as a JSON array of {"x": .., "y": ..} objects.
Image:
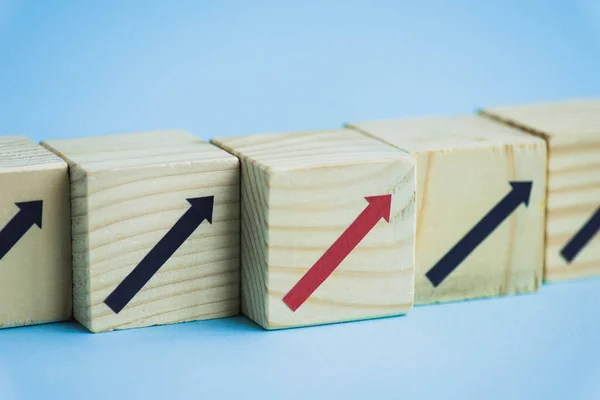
[
  {"x": 327, "y": 227},
  {"x": 480, "y": 205},
  {"x": 155, "y": 221},
  {"x": 572, "y": 132},
  {"x": 35, "y": 235}
]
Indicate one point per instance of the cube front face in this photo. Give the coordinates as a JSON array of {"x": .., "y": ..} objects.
[
  {"x": 475, "y": 235},
  {"x": 156, "y": 217},
  {"x": 572, "y": 132},
  {"x": 456, "y": 190},
  {"x": 35, "y": 267},
  {"x": 298, "y": 219},
  {"x": 309, "y": 210}
]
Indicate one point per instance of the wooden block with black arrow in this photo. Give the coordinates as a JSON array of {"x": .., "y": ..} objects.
[
  {"x": 155, "y": 229},
  {"x": 35, "y": 240}
]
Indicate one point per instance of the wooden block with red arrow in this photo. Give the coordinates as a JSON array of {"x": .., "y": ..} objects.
[
  {"x": 35, "y": 245},
  {"x": 155, "y": 220},
  {"x": 481, "y": 205},
  {"x": 572, "y": 132},
  {"x": 328, "y": 225}
]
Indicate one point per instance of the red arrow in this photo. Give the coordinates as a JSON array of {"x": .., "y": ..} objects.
[{"x": 379, "y": 207}]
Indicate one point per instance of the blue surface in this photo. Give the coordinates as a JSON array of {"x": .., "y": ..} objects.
[
  {"x": 233, "y": 68},
  {"x": 540, "y": 346}
]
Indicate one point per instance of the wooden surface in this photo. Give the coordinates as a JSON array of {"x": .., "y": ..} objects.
[
  {"x": 35, "y": 275},
  {"x": 572, "y": 130},
  {"x": 464, "y": 165},
  {"x": 300, "y": 191},
  {"x": 127, "y": 192}
]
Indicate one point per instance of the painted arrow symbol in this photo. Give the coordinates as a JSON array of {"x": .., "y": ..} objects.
[
  {"x": 519, "y": 194},
  {"x": 379, "y": 207},
  {"x": 581, "y": 238},
  {"x": 30, "y": 213},
  {"x": 201, "y": 209}
]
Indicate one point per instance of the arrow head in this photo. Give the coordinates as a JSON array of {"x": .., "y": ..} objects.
[
  {"x": 521, "y": 190},
  {"x": 32, "y": 211},
  {"x": 203, "y": 206},
  {"x": 382, "y": 204}
]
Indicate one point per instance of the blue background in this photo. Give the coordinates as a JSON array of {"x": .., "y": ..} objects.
[{"x": 216, "y": 68}]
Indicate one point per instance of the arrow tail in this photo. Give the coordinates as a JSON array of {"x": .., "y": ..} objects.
[
  {"x": 16, "y": 228},
  {"x": 581, "y": 238}
]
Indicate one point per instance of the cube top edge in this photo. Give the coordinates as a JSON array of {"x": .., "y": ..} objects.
[
  {"x": 426, "y": 134},
  {"x": 19, "y": 153},
  {"x": 568, "y": 121},
  {"x": 310, "y": 149},
  {"x": 133, "y": 150}
]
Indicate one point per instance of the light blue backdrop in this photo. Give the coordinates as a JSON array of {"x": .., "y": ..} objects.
[{"x": 76, "y": 68}]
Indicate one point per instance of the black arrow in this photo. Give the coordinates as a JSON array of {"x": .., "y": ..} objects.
[
  {"x": 581, "y": 238},
  {"x": 30, "y": 214},
  {"x": 519, "y": 194},
  {"x": 201, "y": 209}
]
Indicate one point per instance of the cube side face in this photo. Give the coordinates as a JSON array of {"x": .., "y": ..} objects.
[
  {"x": 80, "y": 246},
  {"x": 128, "y": 214},
  {"x": 314, "y": 213},
  {"x": 35, "y": 273},
  {"x": 456, "y": 189},
  {"x": 573, "y": 203},
  {"x": 254, "y": 239}
]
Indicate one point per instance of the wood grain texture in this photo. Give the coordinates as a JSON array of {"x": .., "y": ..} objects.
[
  {"x": 572, "y": 131},
  {"x": 464, "y": 165},
  {"x": 127, "y": 192},
  {"x": 35, "y": 275},
  {"x": 300, "y": 191}
]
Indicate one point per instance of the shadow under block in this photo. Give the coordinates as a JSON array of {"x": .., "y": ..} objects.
[
  {"x": 303, "y": 205},
  {"x": 35, "y": 235},
  {"x": 144, "y": 202},
  {"x": 464, "y": 168},
  {"x": 572, "y": 131}
]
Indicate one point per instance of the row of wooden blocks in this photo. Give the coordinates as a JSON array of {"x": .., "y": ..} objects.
[{"x": 298, "y": 229}]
